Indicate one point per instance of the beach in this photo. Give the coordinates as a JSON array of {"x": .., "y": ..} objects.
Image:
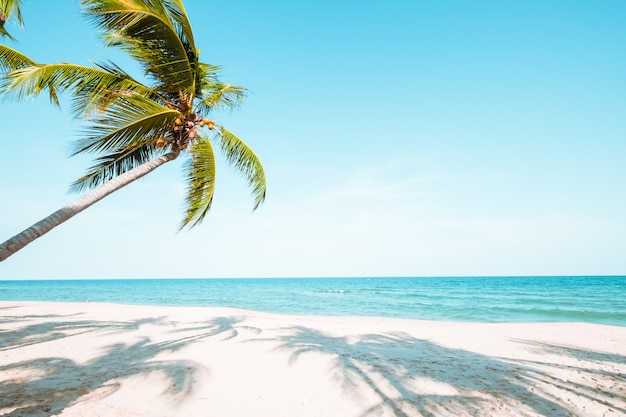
[{"x": 99, "y": 359}]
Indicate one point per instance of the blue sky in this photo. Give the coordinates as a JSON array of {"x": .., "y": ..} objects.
[{"x": 419, "y": 138}]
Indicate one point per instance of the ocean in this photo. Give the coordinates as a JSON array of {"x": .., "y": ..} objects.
[{"x": 592, "y": 299}]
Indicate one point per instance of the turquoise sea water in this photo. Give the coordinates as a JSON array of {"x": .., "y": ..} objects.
[{"x": 480, "y": 299}]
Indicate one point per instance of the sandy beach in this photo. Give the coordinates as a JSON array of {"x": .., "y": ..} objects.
[{"x": 92, "y": 359}]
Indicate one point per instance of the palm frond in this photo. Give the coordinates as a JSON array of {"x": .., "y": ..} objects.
[
  {"x": 179, "y": 17},
  {"x": 220, "y": 95},
  {"x": 245, "y": 160},
  {"x": 128, "y": 122},
  {"x": 12, "y": 61},
  {"x": 3, "y": 32},
  {"x": 205, "y": 75},
  {"x": 93, "y": 88},
  {"x": 200, "y": 173},
  {"x": 154, "y": 32},
  {"x": 110, "y": 165},
  {"x": 9, "y": 9},
  {"x": 97, "y": 93}
]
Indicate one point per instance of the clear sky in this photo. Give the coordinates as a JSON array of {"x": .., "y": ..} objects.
[{"x": 408, "y": 137}]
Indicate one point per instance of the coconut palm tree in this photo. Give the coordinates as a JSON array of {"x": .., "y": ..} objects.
[{"x": 134, "y": 127}]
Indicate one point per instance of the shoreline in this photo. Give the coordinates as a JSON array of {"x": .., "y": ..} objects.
[
  {"x": 315, "y": 315},
  {"x": 245, "y": 311},
  {"x": 83, "y": 358},
  {"x": 482, "y": 299}
]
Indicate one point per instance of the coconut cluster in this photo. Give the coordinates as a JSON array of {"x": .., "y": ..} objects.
[{"x": 184, "y": 130}]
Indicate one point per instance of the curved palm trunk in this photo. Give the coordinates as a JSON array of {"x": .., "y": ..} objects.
[{"x": 42, "y": 227}]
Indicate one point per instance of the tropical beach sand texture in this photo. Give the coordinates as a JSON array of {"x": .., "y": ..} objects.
[{"x": 92, "y": 359}]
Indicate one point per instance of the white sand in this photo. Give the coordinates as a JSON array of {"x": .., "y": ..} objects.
[{"x": 89, "y": 359}]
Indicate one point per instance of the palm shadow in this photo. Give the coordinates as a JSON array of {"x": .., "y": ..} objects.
[
  {"x": 46, "y": 386},
  {"x": 408, "y": 376},
  {"x": 588, "y": 377},
  {"x": 52, "y": 329}
]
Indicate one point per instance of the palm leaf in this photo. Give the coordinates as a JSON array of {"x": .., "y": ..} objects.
[
  {"x": 149, "y": 33},
  {"x": 111, "y": 165},
  {"x": 3, "y": 31},
  {"x": 12, "y": 61},
  {"x": 179, "y": 17},
  {"x": 220, "y": 95},
  {"x": 9, "y": 9},
  {"x": 205, "y": 75},
  {"x": 245, "y": 160},
  {"x": 200, "y": 173},
  {"x": 212, "y": 93},
  {"x": 93, "y": 88},
  {"x": 128, "y": 121},
  {"x": 96, "y": 94}
]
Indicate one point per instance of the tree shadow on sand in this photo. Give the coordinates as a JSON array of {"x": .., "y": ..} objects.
[
  {"x": 53, "y": 329},
  {"x": 46, "y": 386},
  {"x": 406, "y": 376}
]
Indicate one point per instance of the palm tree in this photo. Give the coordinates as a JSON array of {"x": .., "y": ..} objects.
[{"x": 134, "y": 127}]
